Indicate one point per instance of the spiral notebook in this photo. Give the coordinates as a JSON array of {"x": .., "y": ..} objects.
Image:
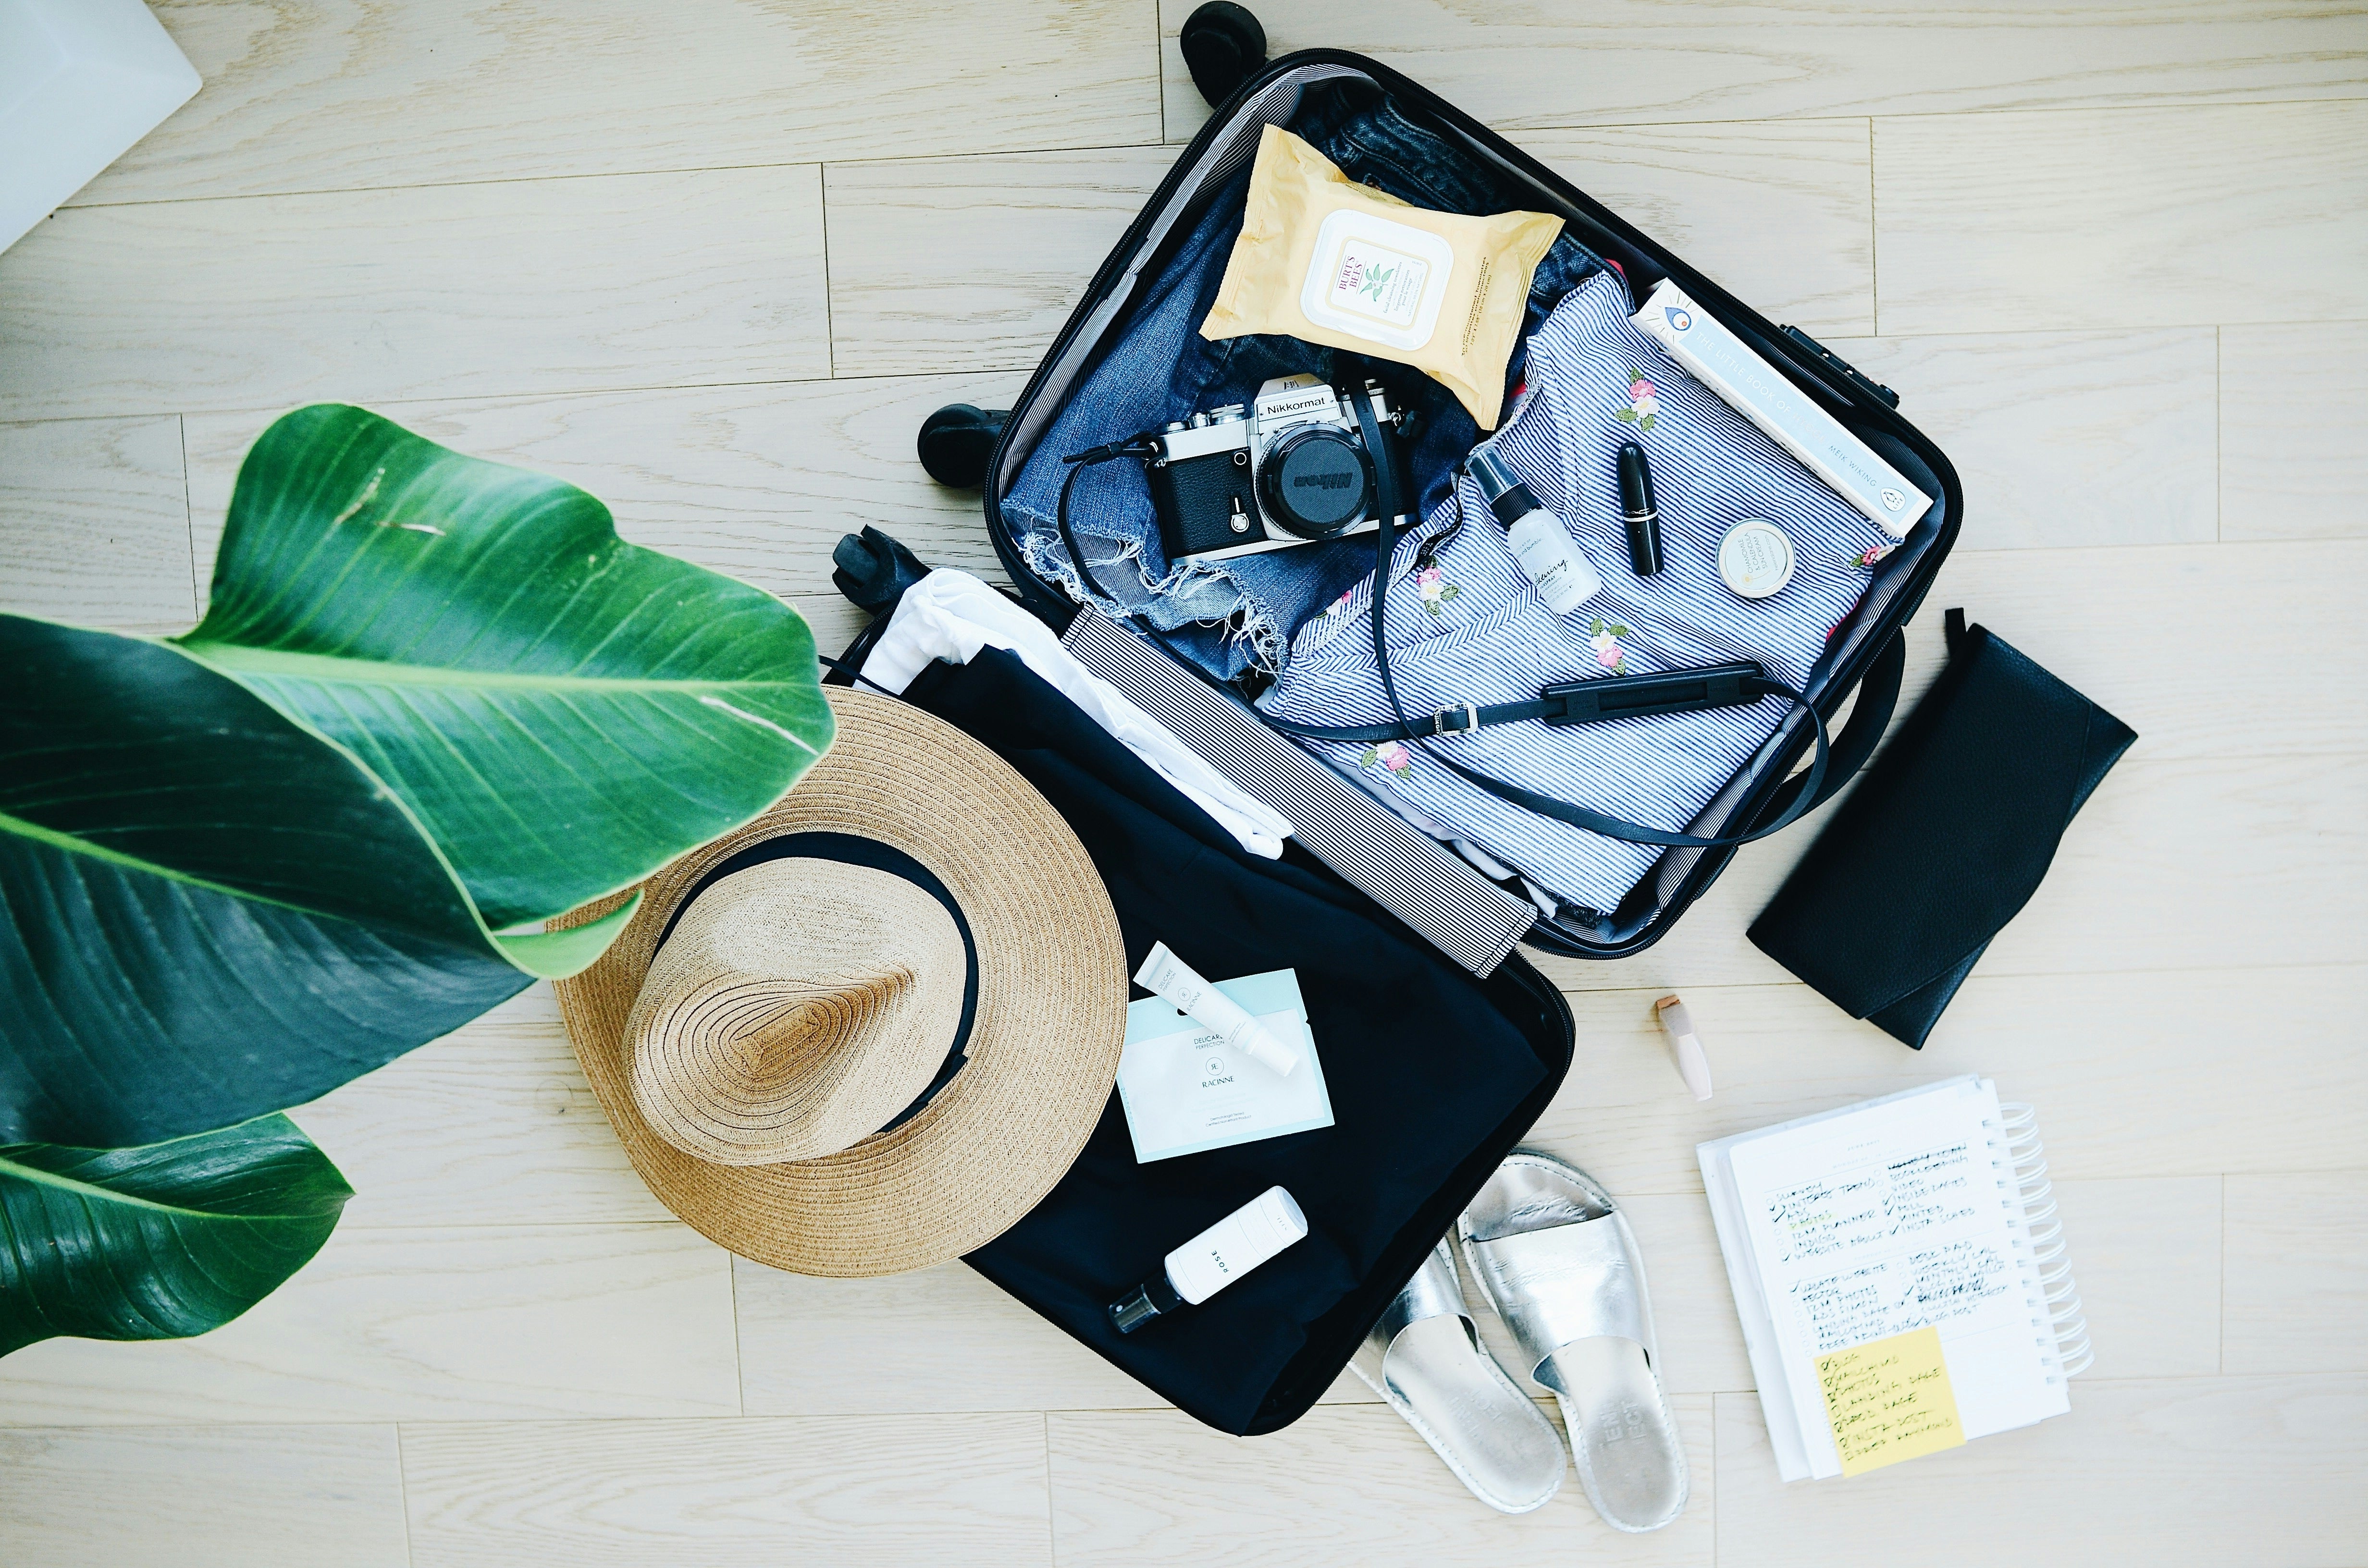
[{"x": 1900, "y": 1273}]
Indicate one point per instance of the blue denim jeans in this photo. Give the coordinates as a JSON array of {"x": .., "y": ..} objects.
[{"x": 1230, "y": 616}]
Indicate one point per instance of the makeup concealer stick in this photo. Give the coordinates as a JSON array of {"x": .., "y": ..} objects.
[{"x": 1685, "y": 1045}]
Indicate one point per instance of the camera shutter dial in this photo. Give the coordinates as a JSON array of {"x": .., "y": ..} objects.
[{"x": 1316, "y": 481}]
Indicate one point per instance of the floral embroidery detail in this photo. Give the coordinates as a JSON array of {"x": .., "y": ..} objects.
[
  {"x": 1341, "y": 604},
  {"x": 1867, "y": 558},
  {"x": 1390, "y": 758},
  {"x": 1644, "y": 402},
  {"x": 1435, "y": 589},
  {"x": 1604, "y": 638}
]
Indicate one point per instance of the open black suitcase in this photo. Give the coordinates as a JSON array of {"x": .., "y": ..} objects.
[{"x": 1067, "y": 1258}]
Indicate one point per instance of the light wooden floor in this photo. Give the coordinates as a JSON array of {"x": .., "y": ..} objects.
[{"x": 713, "y": 259}]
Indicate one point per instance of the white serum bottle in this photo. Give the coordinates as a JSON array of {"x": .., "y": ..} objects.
[
  {"x": 1213, "y": 1259},
  {"x": 1565, "y": 578}
]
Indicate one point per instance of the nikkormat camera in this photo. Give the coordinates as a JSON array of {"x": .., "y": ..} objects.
[{"x": 1295, "y": 472}]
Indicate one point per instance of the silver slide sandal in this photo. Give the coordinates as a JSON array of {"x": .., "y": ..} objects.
[
  {"x": 1556, "y": 1260},
  {"x": 1425, "y": 1357}
]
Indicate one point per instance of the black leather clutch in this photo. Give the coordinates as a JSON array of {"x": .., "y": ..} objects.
[{"x": 1945, "y": 839}]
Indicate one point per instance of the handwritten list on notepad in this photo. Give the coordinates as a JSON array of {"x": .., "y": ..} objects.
[
  {"x": 1887, "y": 1253},
  {"x": 1877, "y": 1252},
  {"x": 1888, "y": 1276},
  {"x": 1890, "y": 1400}
]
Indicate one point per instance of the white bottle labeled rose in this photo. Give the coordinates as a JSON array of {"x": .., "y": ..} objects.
[{"x": 1543, "y": 548}]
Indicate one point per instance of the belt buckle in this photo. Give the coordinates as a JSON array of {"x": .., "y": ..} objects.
[{"x": 1470, "y": 711}]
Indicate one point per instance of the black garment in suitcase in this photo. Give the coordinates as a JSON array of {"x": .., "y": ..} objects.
[
  {"x": 1434, "y": 1074},
  {"x": 1427, "y": 885}
]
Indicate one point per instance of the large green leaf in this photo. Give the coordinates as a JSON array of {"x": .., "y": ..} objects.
[
  {"x": 206, "y": 911},
  {"x": 162, "y": 1242},
  {"x": 564, "y": 711}
]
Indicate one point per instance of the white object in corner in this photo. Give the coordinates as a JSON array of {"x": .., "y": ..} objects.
[{"x": 80, "y": 82}]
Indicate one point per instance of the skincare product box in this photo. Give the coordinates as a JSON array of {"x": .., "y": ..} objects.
[
  {"x": 1185, "y": 1088},
  {"x": 1761, "y": 393}
]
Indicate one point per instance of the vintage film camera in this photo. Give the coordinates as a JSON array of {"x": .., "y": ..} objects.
[{"x": 1295, "y": 472}]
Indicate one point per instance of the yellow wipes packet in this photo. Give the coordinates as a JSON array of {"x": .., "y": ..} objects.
[{"x": 1326, "y": 260}]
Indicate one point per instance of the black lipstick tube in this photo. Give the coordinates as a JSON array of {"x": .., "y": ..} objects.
[{"x": 1637, "y": 510}]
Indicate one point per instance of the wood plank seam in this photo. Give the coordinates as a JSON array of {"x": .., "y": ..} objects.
[
  {"x": 1873, "y": 241},
  {"x": 402, "y": 1491},
  {"x": 829, "y": 304},
  {"x": 739, "y": 1362},
  {"x": 189, "y": 517},
  {"x": 746, "y": 167},
  {"x": 386, "y": 405}
]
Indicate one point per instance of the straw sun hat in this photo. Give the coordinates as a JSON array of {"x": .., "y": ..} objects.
[{"x": 868, "y": 1030}]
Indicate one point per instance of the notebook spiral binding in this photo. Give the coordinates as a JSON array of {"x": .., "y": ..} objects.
[{"x": 2026, "y": 1189}]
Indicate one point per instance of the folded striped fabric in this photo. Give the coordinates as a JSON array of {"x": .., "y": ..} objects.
[{"x": 1465, "y": 625}]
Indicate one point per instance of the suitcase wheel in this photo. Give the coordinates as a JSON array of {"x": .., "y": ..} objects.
[
  {"x": 1224, "y": 46},
  {"x": 957, "y": 440}
]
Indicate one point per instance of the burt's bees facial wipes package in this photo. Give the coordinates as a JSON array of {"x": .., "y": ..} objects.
[{"x": 1326, "y": 260}]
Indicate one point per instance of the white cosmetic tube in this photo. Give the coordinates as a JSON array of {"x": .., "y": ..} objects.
[
  {"x": 1685, "y": 1045},
  {"x": 1215, "y": 1258},
  {"x": 1166, "y": 975}
]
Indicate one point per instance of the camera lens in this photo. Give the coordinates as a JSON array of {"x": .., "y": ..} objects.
[{"x": 1315, "y": 482}]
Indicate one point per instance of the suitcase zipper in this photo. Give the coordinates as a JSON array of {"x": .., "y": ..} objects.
[{"x": 1858, "y": 378}]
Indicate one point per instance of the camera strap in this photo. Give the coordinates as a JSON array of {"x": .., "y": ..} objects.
[
  {"x": 1564, "y": 703},
  {"x": 1567, "y": 702},
  {"x": 1143, "y": 446}
]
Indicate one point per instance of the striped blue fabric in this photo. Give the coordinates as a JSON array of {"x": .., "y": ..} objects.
[{"x": 1466, "y": 625}]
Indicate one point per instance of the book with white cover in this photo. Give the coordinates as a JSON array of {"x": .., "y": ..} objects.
[{"x": 1900, "y": 1275}]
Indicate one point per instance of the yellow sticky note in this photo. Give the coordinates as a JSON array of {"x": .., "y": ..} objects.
[{"x": 1890, "y": 1400}]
